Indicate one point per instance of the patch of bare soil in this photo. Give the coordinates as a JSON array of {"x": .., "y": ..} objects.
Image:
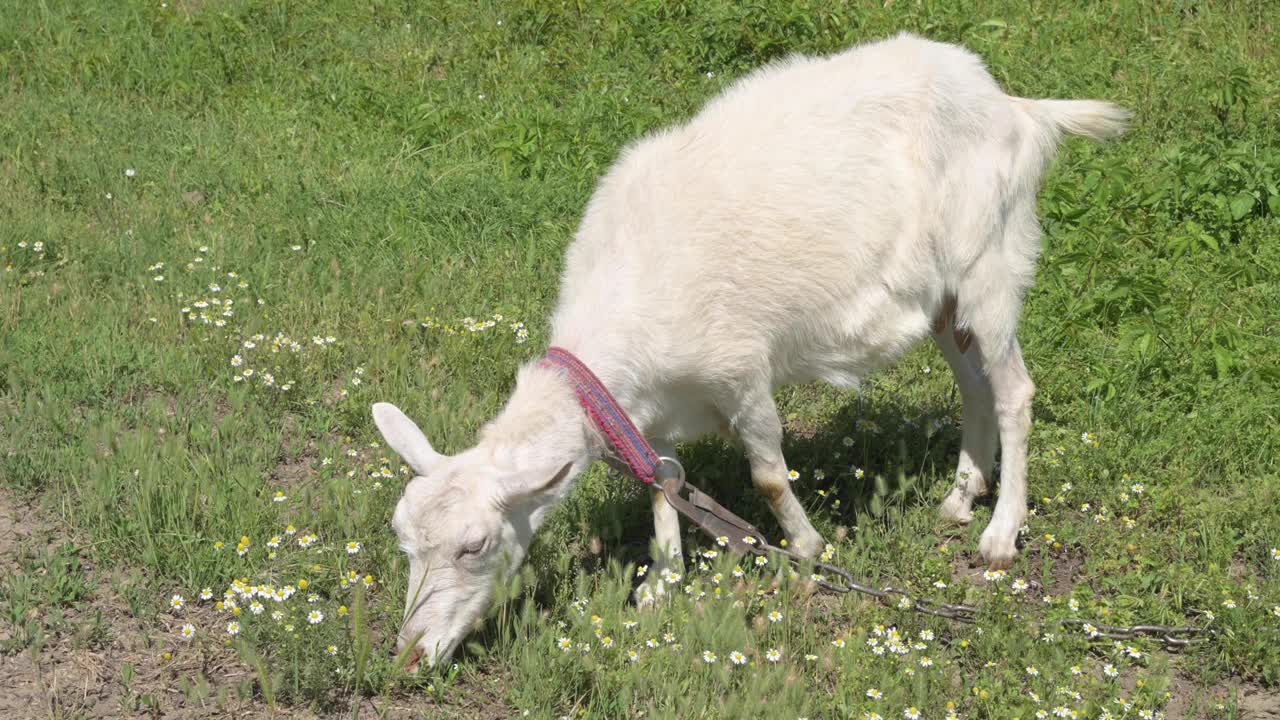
[
  {"x": 97, "y": 660},
  {"x": 294, "y": 471},
  {"x": 967, "y": 563},
  {"x": 1065, "y": 570},
  {"x": 300, "y": 454},
  {"x": 15, "y": 523},
  {"x": 1192, "y": 701},
  {"x": 1257, "y": 703},
  {"x": 78, "y": 667},
  {"x": 1065, "y": 574}
]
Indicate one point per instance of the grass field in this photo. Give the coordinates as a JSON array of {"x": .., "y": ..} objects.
[{"x": 227, "y": 228}]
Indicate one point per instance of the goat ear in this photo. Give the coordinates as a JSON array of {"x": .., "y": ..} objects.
[
  {"x": 403, "y": 436},
  {"x": 533, "y": 486}
]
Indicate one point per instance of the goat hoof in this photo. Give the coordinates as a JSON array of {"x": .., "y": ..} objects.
[
  {"x": 808, "y": 547},
  {"x": 648, "y": 596},
  {"x": 999, "y": 549},
  {"x": 957, "y": 508}
]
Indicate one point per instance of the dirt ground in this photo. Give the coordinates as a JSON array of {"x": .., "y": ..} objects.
[
  {"x": 1190, "y": 702},
  {"x": 78, "y": 671}
]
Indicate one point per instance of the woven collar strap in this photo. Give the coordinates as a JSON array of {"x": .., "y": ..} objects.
[{"x": 628, "y": 443}]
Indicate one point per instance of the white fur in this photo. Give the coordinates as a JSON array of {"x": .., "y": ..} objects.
[{"x": 811, "y": 223}]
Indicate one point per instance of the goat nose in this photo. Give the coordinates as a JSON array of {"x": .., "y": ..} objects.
[{"x": 414, "y": 658}]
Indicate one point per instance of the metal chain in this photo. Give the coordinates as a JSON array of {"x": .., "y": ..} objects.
[
  {"x": 740, "y": 536},
  {"x": 1173, "y": 637},
  {"x": 847, "y": 584}
]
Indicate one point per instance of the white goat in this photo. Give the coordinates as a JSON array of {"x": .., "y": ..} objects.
[{"x": 815, "y": 221}]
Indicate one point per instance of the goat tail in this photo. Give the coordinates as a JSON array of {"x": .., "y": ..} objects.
[{"x": 1094, "y": 119}]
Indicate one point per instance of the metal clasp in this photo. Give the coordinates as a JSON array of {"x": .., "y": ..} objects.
[{"x": 680, "y": 474}]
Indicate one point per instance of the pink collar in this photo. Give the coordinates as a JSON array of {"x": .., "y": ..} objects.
[{"x": 627, "y": 440}]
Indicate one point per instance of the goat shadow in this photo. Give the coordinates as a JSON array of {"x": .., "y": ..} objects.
[{"x": 906, "y": 451}]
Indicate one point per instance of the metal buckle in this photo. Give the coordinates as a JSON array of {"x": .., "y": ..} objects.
[{"x": 680, "y": 474}]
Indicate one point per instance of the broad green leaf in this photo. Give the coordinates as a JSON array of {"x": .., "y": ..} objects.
[{"x": 1241, "y": 205}]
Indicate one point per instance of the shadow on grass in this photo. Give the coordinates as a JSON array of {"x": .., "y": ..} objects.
[{"x": 906, "y": 453}]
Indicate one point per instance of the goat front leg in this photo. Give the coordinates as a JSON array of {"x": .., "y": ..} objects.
[
  {"x": 666, "y": 547},
  {"x": 759, "y": 429}
]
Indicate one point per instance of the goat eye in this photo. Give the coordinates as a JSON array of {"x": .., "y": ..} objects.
[{"x": 472, "y": 548}]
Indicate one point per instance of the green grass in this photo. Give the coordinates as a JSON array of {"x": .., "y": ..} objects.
[{"x": 371, "y": 169}]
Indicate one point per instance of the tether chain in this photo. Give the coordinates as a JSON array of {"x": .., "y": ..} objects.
[{"x": 740, "y": 536}]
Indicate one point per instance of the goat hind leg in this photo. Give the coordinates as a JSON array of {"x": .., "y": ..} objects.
[
  {"x": 978, "y": 429},
  {"x": 990, "y": 303},
  {"x": 1013, "y": 391}
]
